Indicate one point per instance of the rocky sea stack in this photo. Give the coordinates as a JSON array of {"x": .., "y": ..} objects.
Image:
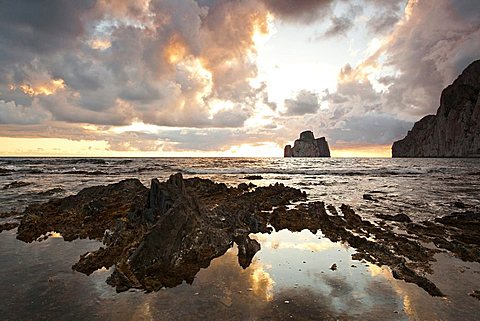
[
  {"x": 455, "y": 130},
  {"x": 308, "y": 146}
]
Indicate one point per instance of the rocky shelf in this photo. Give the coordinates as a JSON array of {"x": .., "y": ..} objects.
[{"x": 163, "y": 235}]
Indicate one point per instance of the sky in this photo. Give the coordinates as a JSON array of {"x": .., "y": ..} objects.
[{"x": 224, "y": 77}]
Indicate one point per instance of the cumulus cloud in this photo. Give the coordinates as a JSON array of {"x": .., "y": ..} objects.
[
  {"x": 304, "y": 11},
  {"x": 378, "y": 99},
  {"x": 371, "y": 128},
  {"x": 387, "y": 14},
  {"x": 65, "y": 65},
  {"x": 160, "y": 61},
  {"x": 339, "y": 26},
  {"x": 306, "y": 102}
]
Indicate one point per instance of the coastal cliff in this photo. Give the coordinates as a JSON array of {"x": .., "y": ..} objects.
[
  {"x": 308, "y": 146},
  {"x": 455, "y": 130}
]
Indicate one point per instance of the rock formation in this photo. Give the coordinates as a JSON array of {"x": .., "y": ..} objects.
[
  {"x": 162, "y": 236},
  {"x": 308, "y": 146},
  {"x": 455, "y": 130}
]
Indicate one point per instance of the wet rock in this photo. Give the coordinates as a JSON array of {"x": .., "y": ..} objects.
[
  {"x": 333, "y": 267},
  {"x": 253, "y": 177},
  {"x": 51, "y": 192},
  {"x": 9, "y": 214},
  {"x": 247, "y": 248},
  {"x": 81, "y": 172},
  {"x": 459, "y": 204},
  {"x": 8, "y": 226},
  {"x": 369, "y": 197},
  {"x": 242, "y": 187},
  {"x": 332, "y": 209},
  {"x": 162, "y": 236},
  {"x": 350, "y": 216},
  {"x": 475, "y": 294},
  {"x": 87, "y": 214},
  {"x": 401, "y": 271},
  {"x": 16, "y": 184},
  {"x": 403, "y": 218}
]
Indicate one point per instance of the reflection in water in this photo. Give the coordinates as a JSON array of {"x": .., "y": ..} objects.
[
  {"x": 290, "y": 280},
  {"x": 262, "y": 283}
]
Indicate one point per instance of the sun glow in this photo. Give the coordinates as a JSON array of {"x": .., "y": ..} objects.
[
  {"x": 265, "y": 149},
  {"x": 100, "y": 44},
  {"x": 175, "y": 51},
  {"x": 43, "y": 89},
  {"x": 362, "y": 151}
]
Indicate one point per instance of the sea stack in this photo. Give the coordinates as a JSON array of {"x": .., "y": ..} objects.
[
  {"x": 308, "y": 146},
  {"x": 455, "y": 130}
]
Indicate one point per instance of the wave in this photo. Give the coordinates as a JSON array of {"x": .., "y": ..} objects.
[
  {"x": 304, "y": 171},
  {"x": 94, "y": 173}
]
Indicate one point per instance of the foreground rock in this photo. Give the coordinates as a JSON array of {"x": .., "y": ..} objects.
[
  {"x": 455, "y": 130},
  {"x": 308, "y": 146},
  {"x": 162, "y": 236}
]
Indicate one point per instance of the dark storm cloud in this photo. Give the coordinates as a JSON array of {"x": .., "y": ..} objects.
[
  {"x": 305, "y": 11},
  {"x": 339, "y": 27},
  {"x": 39, "y": 26},
  {"x": 387, "y": 14}
]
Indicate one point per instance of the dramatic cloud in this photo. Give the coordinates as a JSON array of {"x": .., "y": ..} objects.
[
  {"x": 82, "y": 69},
  {"x": 305, "y": 11},
  {"x": 402, "y": 80},
  {"x": 339, "y": 26},
  {"x": 305, "y": 103}
]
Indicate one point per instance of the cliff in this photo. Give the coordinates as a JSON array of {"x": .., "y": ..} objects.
[
  {"x": 308, "y": 146},
  {"x": 455, "y": 130}
]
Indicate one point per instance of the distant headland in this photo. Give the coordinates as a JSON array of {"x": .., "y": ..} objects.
[
  {"x": 308, "y": 146},
  {"x": 455, "y": 130}
]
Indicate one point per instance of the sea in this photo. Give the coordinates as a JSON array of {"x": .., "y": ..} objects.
[{"x": 290, "y": 277}]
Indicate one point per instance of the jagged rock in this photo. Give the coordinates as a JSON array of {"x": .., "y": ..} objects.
[
  {"x": 308, "y": 146},
  {"x": 87, "y": 214},
  {"x": 455, "y": 130},
  {"x": 253, "y": 177},
  {"x": 475, "y": 294},
  {"x": 404, "y": 218},
  {"x": 8, "y": 226},
  {"x": 247, "y": 248},
  {"x": 162, "y": 236}
]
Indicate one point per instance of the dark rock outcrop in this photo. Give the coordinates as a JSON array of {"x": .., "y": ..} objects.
[
  {"x": 162, "y": 236},
  {"x": 308, "y": 146},
  {"x": 455, "y": 130}
]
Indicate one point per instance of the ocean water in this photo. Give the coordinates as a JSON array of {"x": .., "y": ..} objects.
[
  {"x": 421, "y": 188},
  {"x": 289, "y": 278}
]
